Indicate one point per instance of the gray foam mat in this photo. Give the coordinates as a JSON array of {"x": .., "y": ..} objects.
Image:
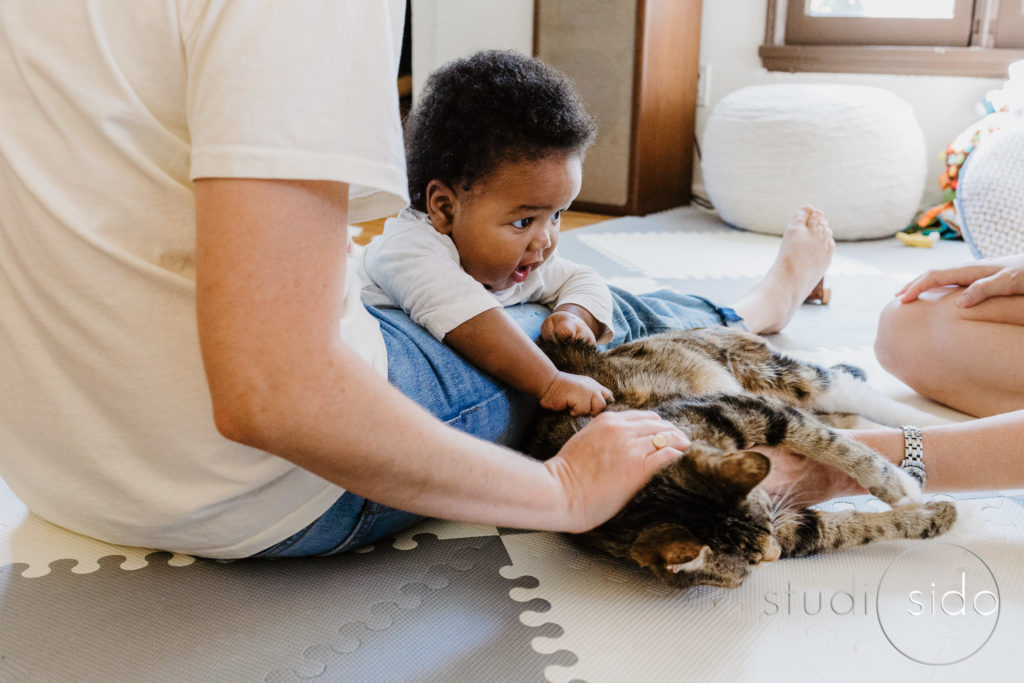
[{"x": 441, "y": 610}]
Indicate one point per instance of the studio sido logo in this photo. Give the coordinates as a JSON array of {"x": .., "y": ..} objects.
[{"x": 938, "y": 603}]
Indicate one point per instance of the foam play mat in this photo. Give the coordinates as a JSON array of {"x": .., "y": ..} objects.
[{"x": 456, "y": 602}]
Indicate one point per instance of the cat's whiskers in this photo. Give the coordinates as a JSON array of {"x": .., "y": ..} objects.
[
  {"x": 784, "y": 499},
  {"x": 782, "y": 512}
]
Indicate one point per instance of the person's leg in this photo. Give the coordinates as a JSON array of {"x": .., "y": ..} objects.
[
  {"x": 967, "y": 358},
  {"x": 803, "y": 257},
  {"x": 450, "y": 387},
  {"x": 437, "y": 378},
  {"x": 636, "y": 316}
]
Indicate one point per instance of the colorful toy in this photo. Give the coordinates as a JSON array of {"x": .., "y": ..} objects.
[{"x": 1002, "y": 108}]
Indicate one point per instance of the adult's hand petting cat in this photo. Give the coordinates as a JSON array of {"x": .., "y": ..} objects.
[
  {"x": 801, "y": 481},
  {"x": 603, "y": 465}
]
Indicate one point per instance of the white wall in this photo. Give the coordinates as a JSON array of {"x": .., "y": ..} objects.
[
  {"x": 444, "y": 30},
  {"x": 731, "y": 32}
]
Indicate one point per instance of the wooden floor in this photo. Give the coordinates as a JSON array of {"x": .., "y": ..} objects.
[{"x": 570, "y": 221}]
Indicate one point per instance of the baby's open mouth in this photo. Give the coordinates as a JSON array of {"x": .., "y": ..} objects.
[{"x": 521, "y": 273}]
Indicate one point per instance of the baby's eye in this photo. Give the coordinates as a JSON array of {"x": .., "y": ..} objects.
[
  {"x": 522, "y": 223},
  {"x": 558, "y": 215}
]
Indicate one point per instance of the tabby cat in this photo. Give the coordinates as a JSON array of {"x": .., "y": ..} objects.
[{"x": 703, "y": 519}]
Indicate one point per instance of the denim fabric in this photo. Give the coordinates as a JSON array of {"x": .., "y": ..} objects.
[
  {"x": 434, "y": 376},
  {"x": 636, "y": 316}
]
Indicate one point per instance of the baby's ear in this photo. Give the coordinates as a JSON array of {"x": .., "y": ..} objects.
[
  {"x": 741, "y": 472},
  {"x": 440, "y": 202}
]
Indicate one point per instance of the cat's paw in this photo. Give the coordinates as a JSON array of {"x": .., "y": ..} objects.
[
  {"x": 896, "y": 487},
  {"x": 921, "y": 521}
]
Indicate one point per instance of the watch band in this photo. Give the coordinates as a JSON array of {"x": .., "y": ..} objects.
[{"x": 913, "y": 454}]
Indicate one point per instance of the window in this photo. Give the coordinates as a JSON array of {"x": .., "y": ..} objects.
[
  {"x": 1009, "y": 29},
  {"x": 933, "y": 37}
]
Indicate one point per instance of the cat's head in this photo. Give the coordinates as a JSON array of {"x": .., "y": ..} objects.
[{"x": 701, "y": 520}]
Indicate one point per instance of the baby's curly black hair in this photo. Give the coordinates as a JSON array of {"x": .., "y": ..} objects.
[{"x": 490, "y": 108}]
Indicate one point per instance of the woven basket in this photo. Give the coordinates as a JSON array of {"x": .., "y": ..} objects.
[{"x": 855, "y": 152}]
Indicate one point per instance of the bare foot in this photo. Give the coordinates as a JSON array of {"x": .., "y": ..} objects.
[{"x": 803, "y": 258}]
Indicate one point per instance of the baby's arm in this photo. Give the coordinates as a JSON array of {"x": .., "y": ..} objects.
[
  {"x": 581, "y": 300},
  {"x": 494, "y": 343}
]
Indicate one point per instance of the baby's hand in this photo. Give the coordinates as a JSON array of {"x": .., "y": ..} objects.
[
  {"x": 578, "y": 394},
  {"x": 563, "y": 325}
]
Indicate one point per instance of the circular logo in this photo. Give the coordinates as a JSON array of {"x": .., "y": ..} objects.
[{"x": 938, "y": 603}]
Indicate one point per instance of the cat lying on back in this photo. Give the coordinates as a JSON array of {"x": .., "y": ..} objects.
[{"x": 703, "y": 519}]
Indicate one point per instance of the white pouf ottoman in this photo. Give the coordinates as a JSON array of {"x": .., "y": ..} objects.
[{"x": 855, "y": 152}]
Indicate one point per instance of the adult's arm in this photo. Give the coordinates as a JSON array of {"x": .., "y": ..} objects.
[
  {"x": 269, "y": 293},
  {"x": 977, "y": 455}
]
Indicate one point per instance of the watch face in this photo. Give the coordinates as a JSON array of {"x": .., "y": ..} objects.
[{"x": 916, "y": 471}]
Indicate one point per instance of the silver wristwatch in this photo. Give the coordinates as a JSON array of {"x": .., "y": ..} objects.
[{"x": 913, "y": 454}]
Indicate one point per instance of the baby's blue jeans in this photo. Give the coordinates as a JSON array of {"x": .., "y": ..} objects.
[{"x": 437, "y": 378}]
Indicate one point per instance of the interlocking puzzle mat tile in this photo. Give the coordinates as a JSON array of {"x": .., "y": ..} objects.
[
  {"x": 442, "y": 529},
  {"x": 438, "y": 612},
  {"x": 801, "y": 619}
]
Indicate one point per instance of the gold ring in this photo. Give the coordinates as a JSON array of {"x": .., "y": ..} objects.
[{"x": 659, "y": 441}]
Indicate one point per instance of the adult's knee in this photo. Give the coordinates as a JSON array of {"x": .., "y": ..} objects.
[
  {"x": 894, "y": 338},
  {"x": 913, "y": 340},
  {"x": 908, "y": 341}
]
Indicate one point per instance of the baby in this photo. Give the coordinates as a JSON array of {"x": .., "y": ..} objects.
[{"x": 494, "y": 148}]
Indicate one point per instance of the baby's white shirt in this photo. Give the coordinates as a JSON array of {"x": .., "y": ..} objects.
[{"x": 416, "y": 268}]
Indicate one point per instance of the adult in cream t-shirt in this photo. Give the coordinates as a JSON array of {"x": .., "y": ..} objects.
[{"x": 185, "y": 361}]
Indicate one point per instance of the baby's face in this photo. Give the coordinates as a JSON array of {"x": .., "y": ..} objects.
[{"x": 507, "y": 223}]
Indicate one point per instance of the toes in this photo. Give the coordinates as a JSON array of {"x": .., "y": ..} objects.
[
  {"x": 817, "y": 221},
  {"x": 802, "y": 216}
]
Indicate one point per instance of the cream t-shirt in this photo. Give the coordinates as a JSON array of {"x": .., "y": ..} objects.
[{"x": 110, "y": 111}]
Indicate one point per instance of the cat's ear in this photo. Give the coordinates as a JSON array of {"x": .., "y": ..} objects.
[
  {"x": 669, "y": 547},
  {"x": 741, "y": 472}
]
